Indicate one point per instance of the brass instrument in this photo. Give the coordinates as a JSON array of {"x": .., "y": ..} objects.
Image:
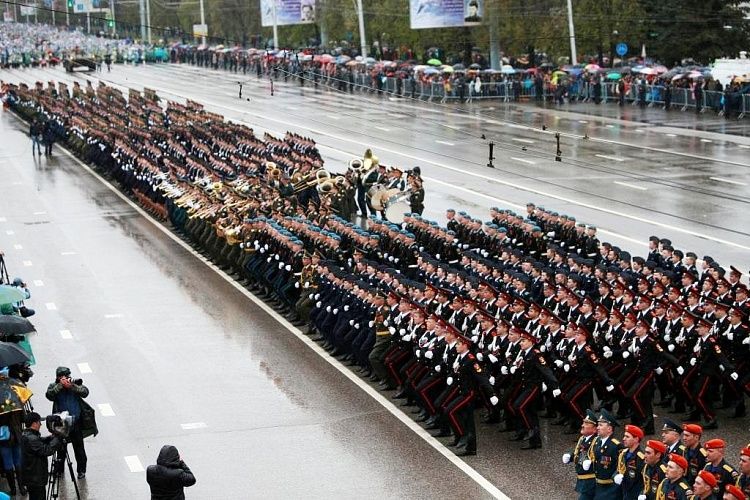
[
  {"x": 316, "y": 178},
  {"x": 273, "y": 170}
]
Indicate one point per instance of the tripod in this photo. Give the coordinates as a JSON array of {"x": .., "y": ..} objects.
[
  {"x": 57, "y": 471},
  {"x": 4, "y": 276}
]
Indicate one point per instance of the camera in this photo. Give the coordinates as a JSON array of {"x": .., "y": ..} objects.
[
  {"x": 76, "y": 381},
  {"x": 59, "y": 423}
]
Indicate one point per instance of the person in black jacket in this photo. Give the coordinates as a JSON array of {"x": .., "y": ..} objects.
[
  {"x": 36, "y": 449},
  {"x": 169, "y": 476}
]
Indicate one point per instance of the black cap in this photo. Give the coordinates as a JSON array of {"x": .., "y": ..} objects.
[
  {"x": 671, "y": 425},
  {"x": 30, "y": 418}
]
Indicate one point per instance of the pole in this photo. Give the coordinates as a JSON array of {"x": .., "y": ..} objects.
[
  {"x": 148, "y": 20},
  {"x": 36, "y": 19},
  {"x": 203, "y": 21},
  {"x": 495, "y": 62},
  {"x": 142, "y": 7},
  {"x": 88, "y": 23},
  {"x": 112, "y": 6},
  {"x": 275, "y": 28},
  {"x": 362, "y": 40},
  {"x": 573, "y": 55},
  {"x": 53, "y": 12},
  {"x": 67, "y": 14}
]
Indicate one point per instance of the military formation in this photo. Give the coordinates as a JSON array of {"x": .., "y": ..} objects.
[{"x": 514, "y": 314}]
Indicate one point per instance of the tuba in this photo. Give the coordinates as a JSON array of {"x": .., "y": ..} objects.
[{"x": 316, "y": 178}]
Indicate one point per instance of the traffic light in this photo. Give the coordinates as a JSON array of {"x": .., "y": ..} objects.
[
  {"x": 111, "y": 23},
  {"x": 70, "y": 4}
]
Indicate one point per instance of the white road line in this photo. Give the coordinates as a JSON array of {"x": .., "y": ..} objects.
[
  {"x": 51, "y": 306},
  {"x": 106, "y": 410},
  {"x": 396, "y": 115},
  {"x": 41, "y": 212},
  {"x": 67, "y": 253},
  {"x": 580, "y": 121},
  {"x": 3, "y": 219},
  {"x": 613, "y": 158},
  {"x": 333, "y": 117},
  {"x": 522, "y": 160},
  {"x": 744, "y": 146},
  {"x": 452, "y": 127},
  {"x": 84, "y": 368},
  {"x": 640, "y": 130},
  {"x": 631, "y": 186},
  {"x": 18, "y": 247},
  {"x": 193, "y": 425},
  {"x": 16, "y": 183},
  {"x": 728, "y": 181},
  {"x": 27, "y": 263},
  {"x": 38, "y": 283},
  {"x": 382, "y": 400},
  {"x": 671, "y": 135},
  {"x": 10, "y": 232},
  {"x": 384, "y": 129},
  {"x": 610, "y": 126},
  {"x": 706, "y": 140},
  {"x": 134, "y": 463},
  {"x": 113, "y": 315},
  {"x": 65, "y": 334},
  {"x": 445, "y": 142},
  {"x": 525, "y": 141}
]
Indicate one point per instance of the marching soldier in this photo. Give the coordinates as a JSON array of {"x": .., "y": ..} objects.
[
  {"x": 585, "y": 479},
  {"x": 674, "y": 486},
  {"x": 718, "y": 467},
  {"x": 630, "y": 464},
  {"x": 603, "y": 456}
]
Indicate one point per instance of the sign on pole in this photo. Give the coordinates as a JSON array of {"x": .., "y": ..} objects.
[
  {"x": 621, "y": 49},
  {"x": 27, "y": 10},
  {"x": 287, "y": 12},
  {"x": 445, "y": 13},
  {"x": 82, "y": 6},
  {"x": 200, "y": 30}
]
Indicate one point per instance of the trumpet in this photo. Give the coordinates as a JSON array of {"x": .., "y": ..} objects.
[{"x": 312, "y": 179}]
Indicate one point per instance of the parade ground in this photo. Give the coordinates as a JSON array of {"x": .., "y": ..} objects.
[{"x": 174, "y": 351}]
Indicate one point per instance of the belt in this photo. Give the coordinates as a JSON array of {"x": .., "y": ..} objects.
[
  {"x": 604, "y": 481},
  {"x": 586, "y": 476},
  {"x": 382, "y": 334}
]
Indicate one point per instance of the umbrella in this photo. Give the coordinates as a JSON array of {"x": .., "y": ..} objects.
[
  {"x": 15, "y": 325},
  {"x": 11, "y": 294},
  {"x": 11, "y": 354},
  {"x": 343, "y": 59},
  {"x": 591, "y": 68},
  {"x": 695, "y": 75},
  {"x": 508, "y": 70},
  {"x": 546, "y": 65},
  {"x": 435, "y": 62},
  {"x": 647, "y": 71},
  {"x": 475, "y": 66},
  {"x": 459, "y": 66},
  {"x": 559, "y": 73},
  {"x": 13, "y": 395},
  {"x": 447, "y": 69},
  {"x": 614, "y": 76},
  {"x": 431, "y": 71}
]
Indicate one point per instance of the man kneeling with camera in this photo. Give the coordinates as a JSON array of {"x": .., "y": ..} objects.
[
  {"x": 67, "y": 394},
  {"x": 36, "y": 449}
]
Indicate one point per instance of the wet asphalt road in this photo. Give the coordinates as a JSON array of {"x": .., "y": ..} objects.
[{"x": 168, "y": 342}]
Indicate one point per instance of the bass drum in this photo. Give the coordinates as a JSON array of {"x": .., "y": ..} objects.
[
  {"x": 396, "y": 206},
  {"x": 376, "y": 196}
]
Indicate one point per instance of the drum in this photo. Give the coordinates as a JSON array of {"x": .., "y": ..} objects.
[
  {"x": 376, "y": 196},
  {"x": 396, "y": 206}
]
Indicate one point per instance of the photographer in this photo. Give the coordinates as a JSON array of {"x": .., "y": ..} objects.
[
  {"x": 169, "y": 476},
  {"x": 19, "y": 307},
  {"x": 67, "y": 394},
  {"x": 36, "y": 449}
]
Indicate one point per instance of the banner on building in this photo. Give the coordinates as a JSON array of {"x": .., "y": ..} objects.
[
  {"x": 445, "y": 13},
  {"x": 82, "y": 6},
  {"x": 287, "y": 12}
]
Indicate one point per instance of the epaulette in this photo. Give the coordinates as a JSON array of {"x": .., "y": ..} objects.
[
  {"x": 729, "y": 468},
  {"x": 641, "y": 455},
  {"x": 684, "y": 485},
  {"x": 703, "y": 451},
  {"x": 616, "y": 441},
  {"x": 663, "y": 467}
]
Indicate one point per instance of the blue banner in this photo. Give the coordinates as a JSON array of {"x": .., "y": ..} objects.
[
  {"x": 445, "y": 13},
  {"x": 287, "y": 12}
]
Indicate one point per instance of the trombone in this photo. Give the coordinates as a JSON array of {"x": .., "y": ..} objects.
[{"x": 317, "y": 178}]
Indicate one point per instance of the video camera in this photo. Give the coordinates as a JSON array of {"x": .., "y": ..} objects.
[{"x": 59, "y": 423}]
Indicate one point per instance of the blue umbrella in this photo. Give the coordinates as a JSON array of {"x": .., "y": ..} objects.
[{"x": 11, "y": 294}]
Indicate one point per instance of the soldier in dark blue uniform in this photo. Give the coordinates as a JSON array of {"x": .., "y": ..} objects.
[
  {"x": 585, "y": 480},
  {"x": 603, "y": 457},
  {"x": 674, "y": 486},
  {"x": 718, "y": 467},
  {"x": 630, "y": 463},
  {"x": 654, "y": 469}
]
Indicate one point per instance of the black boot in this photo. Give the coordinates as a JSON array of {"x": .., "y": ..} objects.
[{"x": 10, "y": 476}]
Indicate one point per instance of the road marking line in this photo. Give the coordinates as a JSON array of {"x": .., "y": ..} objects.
[
  {"x": 84, "y": 368},
  {"x": 706, "y": 140},
  {"x": 640, "y": 130},
  {"x": 445, "y": 142},
  {"x": 67, "y": 253},
  {"x": 51, "y": 306},
  {"x": 114, "y": 315},
  {"x": 10, "y": 232},
  {"x": 193, "y": 425},
  {"x": 65, "y": 334},
  {"x": 384, "y": 129},
  {"x": 525, "y": 141},
  {"x": 3, "y": 219},
  {"x": 18, "y": 247},
  {"x": 580, "y": 121},
  {"x": 396, "y": 115},
  {"x": 728, "y": 181},
  {"x": 106, "y": 410},
  {"x": 522, "y": 160},
  {"x": 743, "y": 146},
  {"x": 333, "y": 117},
  {"x": 16, "y": 183},
  {"x": 632, "y": 186},
  {"x": 671, "y": 135},
  {"x": 27, "y": 263},
  {"x": 42, "y": 212},
  {"x": 382, "y": 400},
  {"x": 614, "y": 158},
  {"x": 38, "y": 283},
  {"x": 610, "y": 126},
  {"x": 134, "y": 463}
]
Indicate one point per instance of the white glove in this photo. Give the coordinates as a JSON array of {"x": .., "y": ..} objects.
[
  {"x": 351, "y": 322},
  {"x": 556, "y": 393},
  {"x": 336, "y": 311},
  {"x": 543, "y": 348},
  {"x": 328, "y": 309},
  {"x": 296, "y": 284},
  {"x": 419, "y": 353},
  {"x": 392, "y": 329},
  {"x": 438, "y": 368},
  {"x": 356, "y": 326},
  {"x": 641, "y": 497},
  {"x": 659, "y": 370},
  {"x": 631, "y": 348},
  {"x": 269, "y": 259},
  {"x": 307, "y": 284},
  {"x": 566, "y": 458},
  {"x": 513, "y": 369},
  {"x": 693, "y": 361},
  {"x": 402, "y": 331},
  {"x": 558, "y": 363},
  {"x": 610, "y": 388},
  {"x": 475, "y": 338},
  {"x": 618, "y": 478},
  {"x": 670, "y": 347},
  {"x": 407, "y": 338},
  {"x": 566, "y": 367},
  {"x": 493, "y": 359},
  {"x": 586, "y": 464},
  {"x": 746, "y": 341},
  {"x": 370, "y": 324},
  {"x": 265, "y": 246},
  {"x": 318, "y": 304},
  {"x": 607, "y": 349},
  {"x": 607, "y": 354},
  {"x": 494, "y": 400},
  {"x": 449, "y": 381},
  {"x": 730, "y": 335},
  {"x": 734, "y": 376},
  {"x": 277, "y": 257},
  {"x": 288, "y": 267},
  {"x": 317, "y": 296},
  {"x": 492, "y": 380},
  {"x": 346, "y": 308},
  {"x": 680, "y": 370},
  {"x": 311, "y": 296},
  {"x": 281, "y": 264},
  {"x": 437, "y": 256},
  {"x": 625, "y": 354},
  {"x": 667, "y": 338},
  {"x": 504, "y": 370},
  {"x": 544, "y": 387},
  {"x": 480, "y": 356},
  {"x": 428, "y": 355}
]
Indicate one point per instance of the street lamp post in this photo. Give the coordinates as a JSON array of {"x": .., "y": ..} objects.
[
  {"x": 362, "y": 40},
  {"x": 573, "y": 55}
]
